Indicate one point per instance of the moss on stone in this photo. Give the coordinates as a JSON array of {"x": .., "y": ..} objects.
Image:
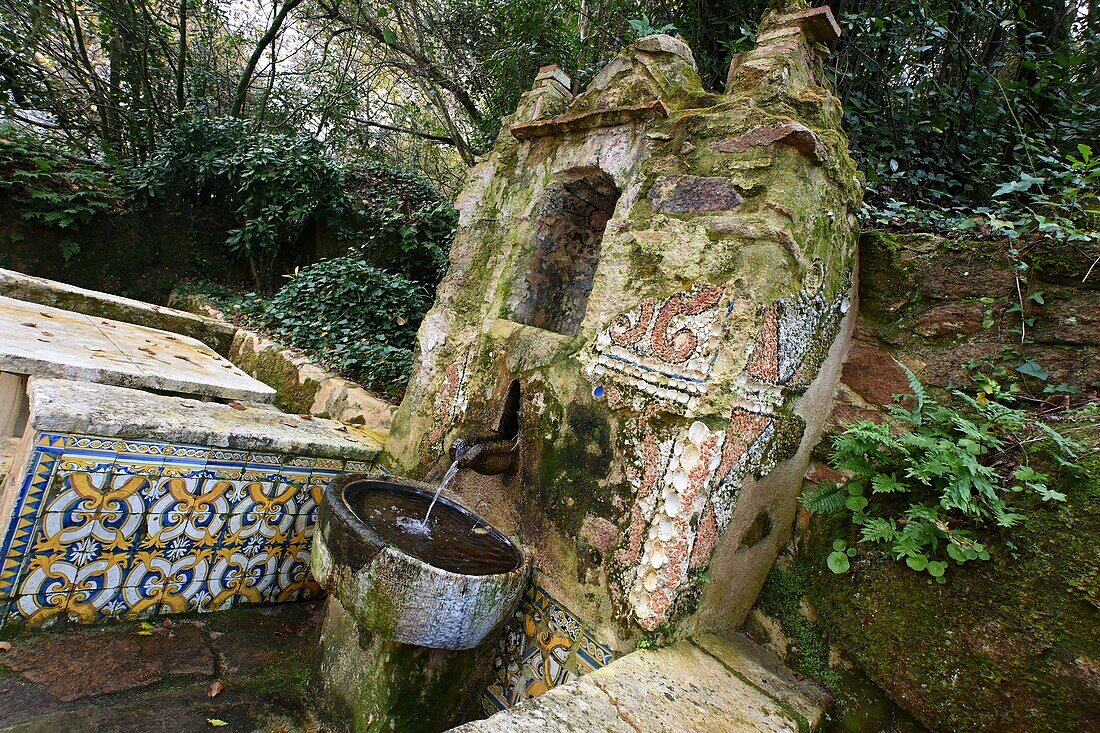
[{"x": 1009, "y": 644}]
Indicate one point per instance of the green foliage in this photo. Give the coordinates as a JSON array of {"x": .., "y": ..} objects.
[
  {"x": 276, "y": 184},
  {"x": 399, "y": 220},
  {"x": 922, "y": 483},
  {"x": 357, "y": 318},
  {"x": 52, "y": 188}
]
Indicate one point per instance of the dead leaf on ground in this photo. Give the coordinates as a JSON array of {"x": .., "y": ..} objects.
[
  {"x": 167, "y": 623},
  {"x": 215, "y": 688},
  {"x": 237, "y": 405},
  {"x": 5, "y": 646},
  {"x": 216, "y": 723}
]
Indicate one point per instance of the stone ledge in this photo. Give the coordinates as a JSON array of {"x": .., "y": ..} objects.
[
  {"x": 698, "y": 686},
  {"x": 214, "y": 333},
  {"x": 589, "y": 120},
  {"x": 85, "y": 408}
]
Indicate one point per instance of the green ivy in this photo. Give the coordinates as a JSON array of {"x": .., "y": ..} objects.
[
  {"x": 356, "y": 318},
  {"x": 398, "y": 220},
  {"x": 924, "y": 481}
]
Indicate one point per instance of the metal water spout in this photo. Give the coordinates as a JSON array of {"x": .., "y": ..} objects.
[
  {"x": 488, "y": 454},
  {"x": 493, "y": 452}
]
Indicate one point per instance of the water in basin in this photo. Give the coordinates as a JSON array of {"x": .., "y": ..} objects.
[{"x": 456, "y": 540}]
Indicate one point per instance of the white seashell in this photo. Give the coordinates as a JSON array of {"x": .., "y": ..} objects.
[
  {"x": 672, "y": 505},
  {"x": 650, "y": 581},
  {"x": 680, "y": 481},
  {"x": 698, "y": 432}
]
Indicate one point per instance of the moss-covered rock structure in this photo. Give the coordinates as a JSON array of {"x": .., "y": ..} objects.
[
  {"x": 647, "y": 299},
  {"x": 1012, "y": 644}
]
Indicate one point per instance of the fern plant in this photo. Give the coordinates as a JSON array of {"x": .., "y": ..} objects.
[{"x": 922, "y": 482}]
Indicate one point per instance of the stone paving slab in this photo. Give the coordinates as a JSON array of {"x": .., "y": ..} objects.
[
  {"x": 85, "y": 408},
  {"x": 40, "y": 340},
  {"x": 215, "y": 333},
  {"x": 137, "y": 678},
  {"x": 712, "y": 685}
]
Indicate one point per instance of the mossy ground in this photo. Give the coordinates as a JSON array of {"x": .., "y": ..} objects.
[{"x": 1008, "y": 644}]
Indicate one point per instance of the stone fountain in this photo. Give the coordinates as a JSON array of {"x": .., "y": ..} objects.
[{"x": 642, "y": 323}]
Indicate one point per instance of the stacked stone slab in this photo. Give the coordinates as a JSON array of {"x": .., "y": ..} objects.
[{"x": 675, "y": 372}]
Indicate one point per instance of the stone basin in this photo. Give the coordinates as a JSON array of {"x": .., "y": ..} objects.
[{"x": 447, "y": 591}]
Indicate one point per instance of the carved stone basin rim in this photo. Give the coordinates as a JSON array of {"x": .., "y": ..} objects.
[{"x": 401, "y": 597}]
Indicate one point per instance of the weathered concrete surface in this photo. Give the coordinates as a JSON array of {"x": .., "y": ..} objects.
[
  {"x": 301, "y": 385},
  {"x": 214, "y": 333},
  {"x": 41, "y": 340},
  {"x": 135, "y": 678},
  {"x": 9, "y": 449},
  {"x": 709, "y": 685},
  {"x": 65, "y": 406},
  {"x": 372, "y": 685}
]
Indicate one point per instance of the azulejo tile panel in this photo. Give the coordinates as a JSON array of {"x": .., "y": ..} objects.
[
  {"x": 543, "y": 647},
  {"x": 107, "y": 529}
]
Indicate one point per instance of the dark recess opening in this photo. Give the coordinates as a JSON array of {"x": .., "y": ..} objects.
[
  {"x": 509, "y": 415},
  {"x": 568, "y": 234}
]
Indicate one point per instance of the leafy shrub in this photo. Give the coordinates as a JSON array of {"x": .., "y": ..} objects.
[
  {"x": 52, "y": 188},
  {"x": 399, "y": 220},
  {"x": 357, "y": 318},
  {"x": 275, "y": 184},
  {"x": 922, "y": 484}
]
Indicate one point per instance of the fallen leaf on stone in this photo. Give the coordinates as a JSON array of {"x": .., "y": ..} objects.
[
  {"x": 45, "y": 341},
  {"x": 28, "y": 324},
  {"x": 236, "y": 405},
  {"x": 305, "y": 416},
  {"x": 44, "y": 313},
  {"x": 5, "y": 646},
  {"x": 480, "y": 530},
  {"x": 109, "y": 325},
  {"x": 147, "y": 350},
  {"x": 216, "y": 723},
  {"x": 47, "y": 333},
  {"x": 181, "y": 356},
  {"x": 215, "y": 689}
]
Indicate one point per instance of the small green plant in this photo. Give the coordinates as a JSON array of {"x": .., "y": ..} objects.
[
  {"x": 644, "y": 26},
  {"x": 922, "y": 483}
]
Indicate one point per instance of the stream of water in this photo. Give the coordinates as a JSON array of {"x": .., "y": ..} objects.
[{"x": 421, "y": 526}]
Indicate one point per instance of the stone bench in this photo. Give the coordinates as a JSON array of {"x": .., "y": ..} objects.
[
  {"x": 214, "y": 333},
  {"x": 122, "y": 504}
]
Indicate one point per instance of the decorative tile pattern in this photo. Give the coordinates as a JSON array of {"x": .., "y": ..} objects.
[
  {"x": 545, "y": 646},
  {"x": 107, "y": 528}
]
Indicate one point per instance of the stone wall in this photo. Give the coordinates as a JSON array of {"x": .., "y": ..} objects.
[{"x": 1005, "y": 645}]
